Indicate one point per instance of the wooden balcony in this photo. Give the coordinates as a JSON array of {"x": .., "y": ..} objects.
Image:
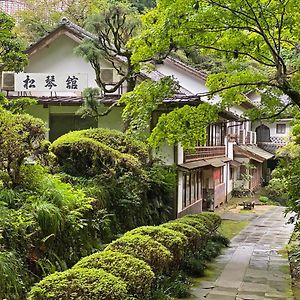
[
  {"x": 204, "y": 152},
  {"x": 247, "y": 137}
]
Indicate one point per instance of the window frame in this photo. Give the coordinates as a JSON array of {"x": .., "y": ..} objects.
[{"x": 281, "y": 128}]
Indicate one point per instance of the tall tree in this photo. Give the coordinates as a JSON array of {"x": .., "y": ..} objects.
[
  {"x": 113, "y": 27},
  {"x": 12, "y": 57},
  {"x": 259, "y": 40},
  {"x": 40, "y": 17}
]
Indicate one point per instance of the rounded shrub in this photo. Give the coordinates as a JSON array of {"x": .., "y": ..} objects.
[
  {"x": 214, "y": 218},
  {"x": 119, "y": 141},
  {"x": 192, "y": 234},
  {"x": 80, "y": 284},
  {"x": 80, "y": 155},
  {"x": 197, "y": 224},
  {"x": 157, "y": 256},
  {"x": 172, "y": 240},
  {"x": 206, "y": 220},
  {"x": 136, "y": 273}
]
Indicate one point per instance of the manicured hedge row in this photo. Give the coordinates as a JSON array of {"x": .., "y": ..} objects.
[
  {"x": 127, "y": 267},
  {"x": 135, "y": 272}
]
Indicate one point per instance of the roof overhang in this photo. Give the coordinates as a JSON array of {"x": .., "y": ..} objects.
[
  {"x": 253, "y": 152},
  {"x": 198, "y": 164},
  {"x": 235, "y": 164}
]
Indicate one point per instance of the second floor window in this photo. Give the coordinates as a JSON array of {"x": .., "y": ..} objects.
[{"x": 281, "y": 128}]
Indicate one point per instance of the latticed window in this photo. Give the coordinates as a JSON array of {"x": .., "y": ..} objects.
[{"x": 281, "y": 128}]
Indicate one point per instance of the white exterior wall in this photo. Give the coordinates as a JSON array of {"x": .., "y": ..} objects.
[
  {"x": 59, "y": 57},
  {"x": 272, "y": 127},
  {"x": 186, "y": 80}
]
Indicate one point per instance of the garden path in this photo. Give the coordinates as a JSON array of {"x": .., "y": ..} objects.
[{"x": 253, "y": 267}]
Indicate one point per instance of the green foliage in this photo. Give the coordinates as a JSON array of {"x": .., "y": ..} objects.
[
  {"x": 81, "y": 154},
  {"x": 145, "y": 248},
  {"x": 18, "y": 106},
  {"x": 135, "y": 272},
  {"x": 143, "y": 101},
  {"x": 114, "y": 168},
  {"x": 112, "y": 26},
  {"x": 191, "y": 233},
  {"x": 38, "y": 18},
  {"x": 210, "y": 220},
  {"x": 22, "y": 140},
  {"x": 197, "y": 224},
  {"x": 41, "y": 215},
  {"x": 11, "y": 284},
  {"x": 174, "y": 241},
  {"x": 12, "y": 56},
  {"x": 186, "y": 125},
  {"x": 168, "y": 287},
  {"x": 132, "y": 257},
  {"x": 83, "y": 284},
  {"x": 254, "y": 48}
]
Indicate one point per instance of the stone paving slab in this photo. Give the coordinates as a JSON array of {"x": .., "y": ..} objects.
[{"x": 252, "y": 268}]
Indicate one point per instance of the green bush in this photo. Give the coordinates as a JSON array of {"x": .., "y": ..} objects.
[
  {"x": 135, "y": 272},
  {"x": 264, "y": 199},
  {"x": 197, "y": 224},
  {"x": 80, "y": 284},
  {"x": 118, "y": 141},
  {"x": 157, "y": 256},
  {"x": 210, "y": 220},
  {"x": 174, "y": 241},
  {"x": 191, "y": 233}
]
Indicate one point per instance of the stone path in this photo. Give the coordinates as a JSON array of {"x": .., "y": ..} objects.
[{"x": 252, "y": 267}]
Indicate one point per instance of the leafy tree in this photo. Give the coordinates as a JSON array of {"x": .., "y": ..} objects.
[
  {"x": 285, "y": 182},
  {"x": 113, "y": 27},
  {"x": 258, "y": 40},
  {"x": 20, "y": 137},
  {"x": 141, "y": 5},
  {"x": 40, "y": 17},
  {"x": 12, "y": 57},
  {"x": 142, "y": 101}
]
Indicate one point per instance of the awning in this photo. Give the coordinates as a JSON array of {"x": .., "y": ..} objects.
[
  {"x": 253, "y": 152},
  {"x": 214, "y": 162},
  {"x": 193, "y": 165},
  {"x": 235, "y": 163}
]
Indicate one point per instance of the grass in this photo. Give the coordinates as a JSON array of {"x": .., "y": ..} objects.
[{"x": 231, "y": 228}]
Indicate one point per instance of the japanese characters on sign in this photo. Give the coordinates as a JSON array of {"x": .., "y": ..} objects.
[{"x": 42, "y": 82}]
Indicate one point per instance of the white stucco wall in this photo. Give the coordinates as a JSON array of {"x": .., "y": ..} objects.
[
  {"x": 190, "y": 82},
  {"x": 59, "y": 57},
  {"x": 272, "y": 127}
]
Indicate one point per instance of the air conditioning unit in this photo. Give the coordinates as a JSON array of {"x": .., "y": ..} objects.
[
  {"x": 8, "y": 81},
  {"x": 107, "y": 75}
]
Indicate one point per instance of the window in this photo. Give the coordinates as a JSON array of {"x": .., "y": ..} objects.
[
  {"x": 192, "y": 188},
  {"x": 218, "y": 175},
  {"x": 231, "y": 173},
  {"x": 281, "y": 128}
]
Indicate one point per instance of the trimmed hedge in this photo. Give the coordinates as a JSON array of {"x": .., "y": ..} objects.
[
  {"x": 157, "y": 256},
  {"x": 197, "y": 224},
  {"x": 135, "y": 272},
  {"x": 172, "y": 240},
  {"x": 210, "y": 220},
  {"x": 126, "y": 268},
  {"x": 118, "y": 141},
  {"x": 80, "y": 284},
  {"x": 192, "y": 234},
  {"x": 78, "y": 154}
]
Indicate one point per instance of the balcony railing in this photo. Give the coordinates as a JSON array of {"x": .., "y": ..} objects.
[
  {"x": 204, "y": 152},
  {"x": 247, "y": 137}
]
